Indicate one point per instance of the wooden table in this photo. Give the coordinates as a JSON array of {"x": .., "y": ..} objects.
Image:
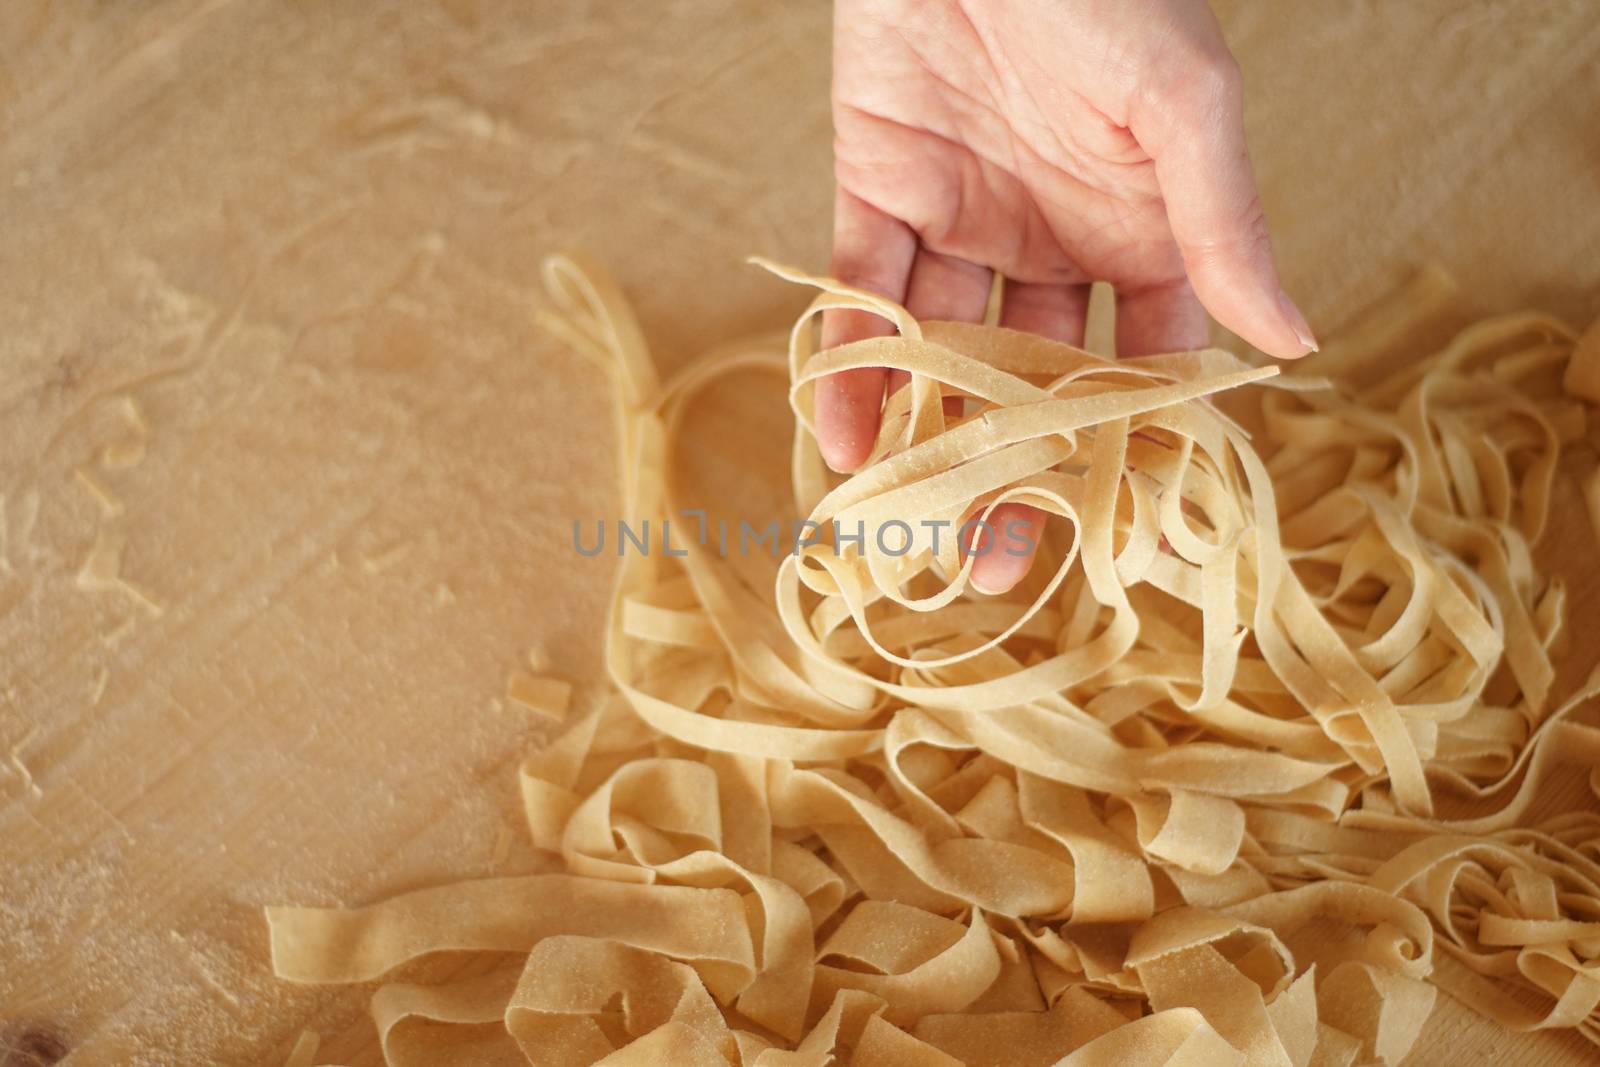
[{"x": 287, "y": 471}]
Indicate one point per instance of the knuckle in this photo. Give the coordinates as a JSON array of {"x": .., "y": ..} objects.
[
  {"x": 1223, "y": 80},
  {"x": 1207, "y": 80}
]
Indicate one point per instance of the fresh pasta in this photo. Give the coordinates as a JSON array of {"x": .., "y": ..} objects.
[{"x": 1245, "y": 773}]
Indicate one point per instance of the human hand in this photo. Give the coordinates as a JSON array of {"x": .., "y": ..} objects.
[{"x": 1058, "y": 144}]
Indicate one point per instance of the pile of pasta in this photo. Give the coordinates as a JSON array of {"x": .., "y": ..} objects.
[{"x": 1250, "y": 768}]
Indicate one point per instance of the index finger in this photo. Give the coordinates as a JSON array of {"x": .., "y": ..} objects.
[{"x": 872, "y": 251}]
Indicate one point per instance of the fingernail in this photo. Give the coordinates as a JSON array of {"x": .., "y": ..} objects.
[{"x": 1296, "y": 321}]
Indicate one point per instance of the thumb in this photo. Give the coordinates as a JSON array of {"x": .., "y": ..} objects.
[{"x": 1194, "y": 131}]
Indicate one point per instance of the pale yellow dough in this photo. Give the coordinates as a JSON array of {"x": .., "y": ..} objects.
[{"x": 857, "y": 813}]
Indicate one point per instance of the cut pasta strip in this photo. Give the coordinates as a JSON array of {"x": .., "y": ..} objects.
[
  {"x": 545, "y": 695},
  {"x": 847, "y": 809}
]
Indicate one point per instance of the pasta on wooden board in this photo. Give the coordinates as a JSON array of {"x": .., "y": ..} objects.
[{"x": 867, "y": 816}]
